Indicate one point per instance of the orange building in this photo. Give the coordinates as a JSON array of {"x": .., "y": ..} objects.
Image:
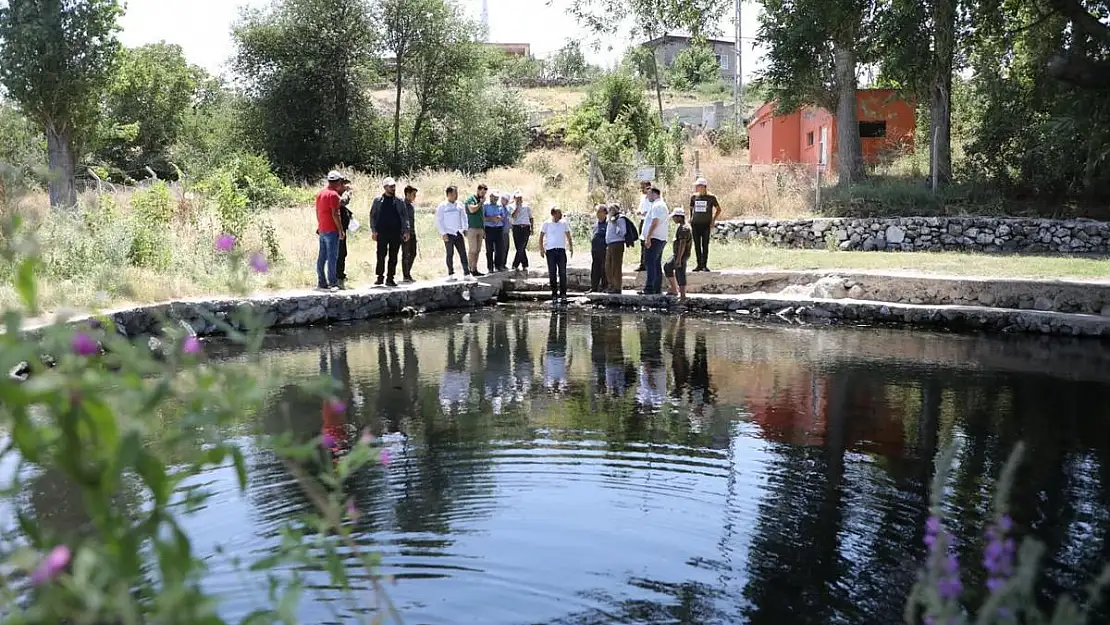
[{"x": 808, "y": 135}]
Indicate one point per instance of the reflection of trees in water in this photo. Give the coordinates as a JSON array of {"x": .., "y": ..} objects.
[{"x": 684, "y": 603}]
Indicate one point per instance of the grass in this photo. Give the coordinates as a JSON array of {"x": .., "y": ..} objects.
[{"x": 88, "y": 264}]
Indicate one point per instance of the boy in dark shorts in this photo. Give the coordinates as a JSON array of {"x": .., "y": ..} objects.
[{"x": 675, "y": 268}]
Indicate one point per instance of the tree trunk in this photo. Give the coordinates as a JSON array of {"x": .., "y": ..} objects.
[
  {"x": 395, "y": 166},
  {"x": 658, "y": 83},
  {"x": 940, "y": 103},
  {"x": 63, "y": 163},
  {"x": 849, "y": 149}
]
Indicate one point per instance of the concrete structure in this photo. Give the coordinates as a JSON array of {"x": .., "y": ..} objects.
[
  {"x": 808, "y": 135},
  {"x": 513, "y": 49},
  {"x": 669, "y": 46}
]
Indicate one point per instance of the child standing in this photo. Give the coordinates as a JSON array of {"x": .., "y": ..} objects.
[{"x": 675, "y": 268}]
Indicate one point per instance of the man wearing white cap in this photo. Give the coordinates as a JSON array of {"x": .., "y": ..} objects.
[
  {"x": 329, "y": 230},
  {"x": 389, "y": 227},
  {"x": 704, "y": 212},
  {"x": 521, "y": 216},
  {"x": 675, "y": 269}
]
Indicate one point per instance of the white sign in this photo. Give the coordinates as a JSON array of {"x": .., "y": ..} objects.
[{"x": 645, "y": 174}]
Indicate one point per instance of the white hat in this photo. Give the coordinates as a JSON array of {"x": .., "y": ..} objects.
[
  {"x": 335, "y": 176},
  {"x": 701, "y": 182},
  {"x": 678, "y": 212},
  {"x": 389, "y": 182},
  {"x": 555, "y": 207},
  {"x": 494, "y": 193},
  {"x": 518, "y": 193}
]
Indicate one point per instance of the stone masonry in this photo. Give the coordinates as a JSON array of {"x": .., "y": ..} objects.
[{"x": 920, "y": 234}]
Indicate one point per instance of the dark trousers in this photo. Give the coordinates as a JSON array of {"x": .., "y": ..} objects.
[
  {"x": 408, "y": 257},
  {"x": 521, "y": 234},
  {"x": 557, "y": 271},
  {"x": 641, "y": 265},
  {"x": 701, "y": 244},
  {"x": 598, "y": 279},
  {"x": 388, "y": 245},
  {"x": 503, "y": 253},
  {"x": 653, "y": 265},
  {"x": 495, "y": 240},
  {"x": 341, "y": 261},
  {"x": 455, "y": 243}
]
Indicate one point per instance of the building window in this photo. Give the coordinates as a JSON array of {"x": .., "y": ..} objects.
[
  {"x": 722, "y": 60},
  {"x": 809, "y": 138},
  {"x": 872, "y": 130}
]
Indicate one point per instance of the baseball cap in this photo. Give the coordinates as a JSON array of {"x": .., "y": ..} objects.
[
  {"x": 389, "y": 182},
  {"x": 701, "y": 182},
  {"x": 335, "y": 176},
  {"x": 494, "y": 193},
  {"x": 518, "y": 193},
  {"x": 678, "y": 212}
]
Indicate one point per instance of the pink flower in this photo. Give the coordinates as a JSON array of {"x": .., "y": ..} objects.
[
  {"x": 352, "y": 511},
  {"x": 367, "y": 438},
  {"x": 84, "y": 345},
  {"x": 337, "y": 405},
  {"x": 52, "y": 565},
  {"x": 328, "y": 441},
  {"x": 225, "y": 243},
  {"x": 191, "y": 345},
  {"x": 259, "y": 263},
  {"x": 386, "y": 457}
]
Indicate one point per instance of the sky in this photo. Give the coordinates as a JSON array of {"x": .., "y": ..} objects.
[{"x": 203, "y": 28}]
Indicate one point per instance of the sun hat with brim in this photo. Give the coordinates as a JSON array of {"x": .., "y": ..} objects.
[
  {"x": 678, "y": 212},
  {"x": 701, "y": 182}
]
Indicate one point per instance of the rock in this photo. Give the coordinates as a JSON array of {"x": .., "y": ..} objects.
[
  {"x": 830, "y": 288},
  {"x": 894, "y": 234},
  {"x": 986, "y": 298},
  {"x": 856, "y": 292},
  {"x": 845, "y": 245}
]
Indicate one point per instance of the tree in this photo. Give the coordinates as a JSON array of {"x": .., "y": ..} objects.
[
  {"x": 55, "y": 61},
  {"x": 814, "y": 50},
  {"x": 569, "y": 63},
  {"x": 651, "y": 19},
  {"x": 695, "y": 65},
  {"x": 305, "y": 66},
  {"x": 410, "y": 26},
  {"x": 152, "y": 92}
]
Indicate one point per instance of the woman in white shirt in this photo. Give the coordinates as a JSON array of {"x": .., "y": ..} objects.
[
  {"x": 521, "y": 217},
  {"x": 555, "y": 243},
  {"x": 451, "y": 221}
]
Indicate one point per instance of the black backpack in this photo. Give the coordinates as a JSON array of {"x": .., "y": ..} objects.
[{"x": 631, "y": 234}]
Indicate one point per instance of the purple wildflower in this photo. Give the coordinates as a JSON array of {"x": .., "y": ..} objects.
[
  {"x": 932, "y": 529},
  {"x": 998, "y": 555},
  {"x": 328, "y": 441},
  {"x": 386, "y": 457},
  {"x": 352, "y": 511},
  {"x": 225, "y": 243},
  {"x": 948, "y": 582},
  {"x": 191, "y": 345},
  {"x": 84, "y": 345},
  {"x": 52, "y": 565},
  {"x": 337, "y": 406},
  {"x": 259, "y": 263}
]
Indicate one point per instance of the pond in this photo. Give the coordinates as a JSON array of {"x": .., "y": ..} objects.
[{"x": 636, "y": 468}]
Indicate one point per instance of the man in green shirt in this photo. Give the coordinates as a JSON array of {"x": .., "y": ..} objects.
[
  {"x": 475, "y": 227},
  {"x": 704, "y": 211}
]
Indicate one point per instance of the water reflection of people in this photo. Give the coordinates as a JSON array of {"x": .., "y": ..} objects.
[
  {"x": 653, "y": 375},
  {"x": 597, "y": 352},
  {"x": 337, "y": 433},
  {"x": 555, "y": 356},
  {"x": 680, "y": 361},
  {"x": 522, "y": 358},
  {"x": 497, "y": 370},
  {"x": 618, "y": 372},
  {"x": 702, "y": 394},
  {"x": 410, "y": 376},
  {"x": 454, "y": 384},
  {"x": 390, "y": 395}
]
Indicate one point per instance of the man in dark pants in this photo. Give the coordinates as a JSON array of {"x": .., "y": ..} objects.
[
  {"x": 345, "y": 216},
  {"x": 555, "y": 242},
  {"x": 493, "y": 215},
  {"x": 389, "y": 227},
  {"x": 598, "y": 281},
  {"x": 704, "y": 211},
  {"x": 645, "y": 206},
  {"x": 408, "y": 248},
  {"x": 451, "y": 223}
]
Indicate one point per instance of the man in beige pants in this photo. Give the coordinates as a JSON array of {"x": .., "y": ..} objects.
[{"x": 475, "y": 227}]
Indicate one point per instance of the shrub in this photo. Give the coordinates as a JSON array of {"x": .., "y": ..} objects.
[
  {"x": 664, "y": 151},
  {"x": 728, "y": 138},
  {"x": 693, "y": 66},
  {"x": 616, "y": 97},
  {"x": 255, "y": 178}
]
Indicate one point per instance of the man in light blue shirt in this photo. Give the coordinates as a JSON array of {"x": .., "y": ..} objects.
[{"x": 494, "y": 216}]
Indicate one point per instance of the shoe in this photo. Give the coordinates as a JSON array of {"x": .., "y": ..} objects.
[
  {"x": 450, "y": 277},
  {"x": 390, "y": 283},
  {"x": 321, "y": 287},
  {"x": 477, "y": 274},
  {"x": 333, "y": 288},
  {"x": 640, "y": 269},
  {"x": 380, "y": 281},
  {"x": 408, "y": 280}
]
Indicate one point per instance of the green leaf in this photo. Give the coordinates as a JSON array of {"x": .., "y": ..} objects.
[
  {"x": 26, "y": 285},
  {"x": 240, "y": 467}
]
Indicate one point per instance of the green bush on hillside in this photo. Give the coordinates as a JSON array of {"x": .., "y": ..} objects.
[{"x": 693, "y": 66}]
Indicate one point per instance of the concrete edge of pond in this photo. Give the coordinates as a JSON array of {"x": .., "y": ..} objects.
[{"x": 815, "y": 296}]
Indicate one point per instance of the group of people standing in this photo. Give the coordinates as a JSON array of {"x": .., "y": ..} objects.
[{"x": 493, "y": 218}]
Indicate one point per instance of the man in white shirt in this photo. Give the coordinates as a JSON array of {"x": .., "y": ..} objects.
[
  {"x": 645, "y": 206},
  {"x": 654, "y": 237},
  {"x": 452, "y": 224},
  {"x": 521, "y": 217},
  {"x": 555, "y": 242}
]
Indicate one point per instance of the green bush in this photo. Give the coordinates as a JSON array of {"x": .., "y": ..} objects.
[
  {"x": 664, "y": 151},
  {"x": 617, "y": 96},
  {"x": 150, "y": 247},
  {"x": 616, "y": 159},
  {"x": 693, "y": 66},
  {"x": 154, "y": 205},
  {"x": 729, "y": 139}
]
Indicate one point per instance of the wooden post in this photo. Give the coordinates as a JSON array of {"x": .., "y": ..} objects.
[
  {"x": 697, "y": 163},
  {"x": 817, "y": 199}
]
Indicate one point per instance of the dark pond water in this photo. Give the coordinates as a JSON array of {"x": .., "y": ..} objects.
[{"x": 578, "y": 468}]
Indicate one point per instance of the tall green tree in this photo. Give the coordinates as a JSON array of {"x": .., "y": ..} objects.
[
  {"x": 150, "y": 94},
  {"x": 569, "y": 62},
  {"x": 306, "y": 67},
  {"x": 410, "y": 27},
  {"x": 815, "y": 48},
  {"x": 651, "y": 19},
  {"x": 55, "y": 62}
]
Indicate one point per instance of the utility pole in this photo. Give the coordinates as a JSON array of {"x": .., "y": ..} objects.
[{"x": 737, "y": 74}]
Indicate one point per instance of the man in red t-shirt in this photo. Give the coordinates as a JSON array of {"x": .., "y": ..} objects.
[{"x": 330, "y": 230}]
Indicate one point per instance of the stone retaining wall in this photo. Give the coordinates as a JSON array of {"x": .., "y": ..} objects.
[{"x": 916, "y": 234}]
